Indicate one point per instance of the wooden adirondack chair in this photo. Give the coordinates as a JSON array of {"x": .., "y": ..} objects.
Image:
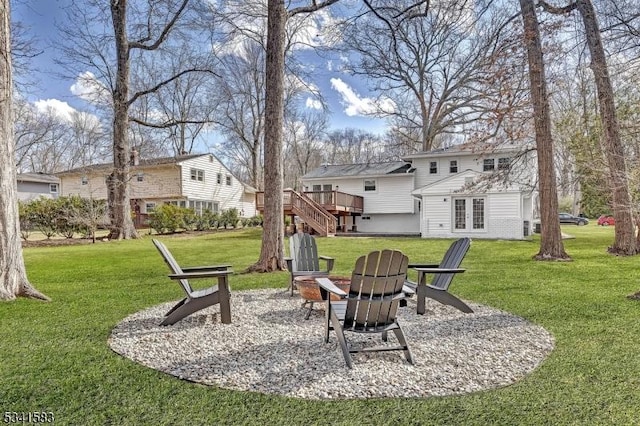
[
  {"x": 304, "y": 260},
  {"x": 443, "y": 274},
  {"x": 196, "y": 300},
  {"x": 371, "y": 304}
]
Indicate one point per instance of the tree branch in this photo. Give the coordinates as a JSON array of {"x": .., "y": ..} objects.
[
  {"x": 557, "y": 10},
  {"x": 167, "y": 124},
  {"x": 165, "y": 82},
  {"x": 163, "y": 35},
  {"x": 314, "y": 6}
]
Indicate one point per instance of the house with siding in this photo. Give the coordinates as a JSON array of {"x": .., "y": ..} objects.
[
  {"x": 197, "y": 181},
  {"x": 35, "y": 185},
  {"x": 460, "y": 191}
]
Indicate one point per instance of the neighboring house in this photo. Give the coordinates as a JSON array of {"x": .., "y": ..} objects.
[
  {"x": 197, "y": 181},
  {"x": 445, "y": 193},
  {"x": 35, "y": 185}
]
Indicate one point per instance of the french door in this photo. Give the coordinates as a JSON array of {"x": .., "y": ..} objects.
[{"x": 469, "y": 214}]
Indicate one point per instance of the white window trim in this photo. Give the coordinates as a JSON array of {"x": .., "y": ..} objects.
[{"x": 375, "y": 185}]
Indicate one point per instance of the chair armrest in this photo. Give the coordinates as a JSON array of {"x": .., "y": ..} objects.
[
  {"x": 423, "y": 265},
  {"x": 329, "y": 261},
  {"x": 206, "y": 268},
  {"x": 201, "y": 274},
  {"x": 328, "y": 285},
  {"x": 409, "y": 288},
  {"x": 440, "y": 270}
]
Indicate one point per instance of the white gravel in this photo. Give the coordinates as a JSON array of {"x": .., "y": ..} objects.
[{"x": 271, "y": 348}]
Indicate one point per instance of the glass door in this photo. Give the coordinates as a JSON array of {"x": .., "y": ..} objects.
[{"x": 469, "y": 214}]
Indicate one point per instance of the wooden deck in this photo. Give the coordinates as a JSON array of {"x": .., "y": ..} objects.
[{"x": 335, "y": 202}]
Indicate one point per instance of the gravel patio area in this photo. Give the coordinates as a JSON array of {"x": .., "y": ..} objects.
[{"x": 271, "y": 348}]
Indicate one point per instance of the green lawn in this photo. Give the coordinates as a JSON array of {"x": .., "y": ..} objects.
[{"x": 54, "y": 356}]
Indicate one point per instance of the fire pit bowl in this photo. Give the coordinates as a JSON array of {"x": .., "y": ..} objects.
[{"x": 310, "y": 291}]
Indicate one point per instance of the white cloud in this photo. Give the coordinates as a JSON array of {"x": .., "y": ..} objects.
[
  {"x": 60, "y": 109},
  {"x": 356, "y": 105},
  {"x": 89, "y": 88},
  {"x": 313, "y": 103}
]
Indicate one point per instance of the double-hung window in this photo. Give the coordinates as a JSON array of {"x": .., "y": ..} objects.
[
  {"x": 489, "y": 165},
  {"x": 197, "y": 175}
]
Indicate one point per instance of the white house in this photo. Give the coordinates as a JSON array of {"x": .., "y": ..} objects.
[
  {"x": 35, "y": 185},
  {"x": 197, "y": 181},
  {"x": 445, "y": 193}
]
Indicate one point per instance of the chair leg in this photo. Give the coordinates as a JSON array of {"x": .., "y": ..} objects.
[
  {"x": 224, "y": 300},
  {"x": 337, "y": 327},
  {"x": 447, "y": 298},
  {"x": 421, "y": 294},
  {"x": 403, "y": 342}
]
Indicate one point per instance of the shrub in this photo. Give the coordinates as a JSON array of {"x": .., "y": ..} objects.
[
  {"x": 229, "y": 217},
  {"x": 166, "y": 218},
  {"x": 26, "y": 216}
]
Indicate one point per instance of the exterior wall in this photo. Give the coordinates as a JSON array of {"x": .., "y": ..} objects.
[
  {"x": 389, "y": 223},
  {"x": 504, "y": 217},
  {"x": 392, "y": 194},
  {"x": 96, "y": 186},
  {"x": 157, "y": 182},
  {"x": 227, "y": 196},
  {"x": 34, "y": 190}
]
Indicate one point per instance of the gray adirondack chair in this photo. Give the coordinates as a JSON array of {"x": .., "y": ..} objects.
[
  {"x": 304, "y": 260},
  {"x": 196, "y": 300},
  {"x": 443, "y": 274},
  {"x": 371, "y": 304}
]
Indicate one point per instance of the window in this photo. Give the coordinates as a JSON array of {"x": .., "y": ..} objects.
[
  {"x": 504, "y": 163},
  {"x": 216, "y": 207},
  {"x": 369, "y": 185},
  {"x": 453, "y": 166},
  {"x": 316, "y": 188},
  {"x": 84, "y": 180},
  {"x": 197, "y": 174},
  {"x": 140, "y": 177},
  {"x": 489, "y": 165},
  {"x": 219, "y": 178},
  {"x": 228, "y": 180},
  {"x": 53, "y": 188},
  {"x": 149, "y": 207},
  {"x": 433, "y": 167}
]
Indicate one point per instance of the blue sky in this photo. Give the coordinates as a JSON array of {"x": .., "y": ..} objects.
[{"x": 346, "y": 96}]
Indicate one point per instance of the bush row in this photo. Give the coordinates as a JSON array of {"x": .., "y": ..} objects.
[
  {"x": 65, "y": 216},
  {"x": 169, "y": 218}
]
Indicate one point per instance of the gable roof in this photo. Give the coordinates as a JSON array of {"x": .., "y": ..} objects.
[
  {"x": 37, "y": 177},
  {"x": 468, "y": 149},
  {"x": 354, "y": 170},
  {"x": 143, "y": 163}
]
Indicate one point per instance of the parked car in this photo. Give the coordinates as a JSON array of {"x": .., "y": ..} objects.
[
  {"x": 566, "y": 218},
  {"x": 606, "y": 220}
]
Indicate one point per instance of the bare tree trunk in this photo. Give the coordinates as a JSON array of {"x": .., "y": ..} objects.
[
  {"x": 625, "y": 242},
  {"x": 118, "y": 181},
  {"x": 13, "y": 275},
  {"x": 551, "y": 246},
  {"x": 272, "y": 251}
]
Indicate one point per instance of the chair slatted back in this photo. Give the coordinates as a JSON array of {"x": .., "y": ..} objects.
[
  {"x": 304, "y": 252},
  {"x": 173, "y": 265},
  {"x": 451, "y": 260},
  {"x": 376, "y": 278}
]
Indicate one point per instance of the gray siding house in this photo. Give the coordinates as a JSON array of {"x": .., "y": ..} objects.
[{"x": 35, "y": 185}]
